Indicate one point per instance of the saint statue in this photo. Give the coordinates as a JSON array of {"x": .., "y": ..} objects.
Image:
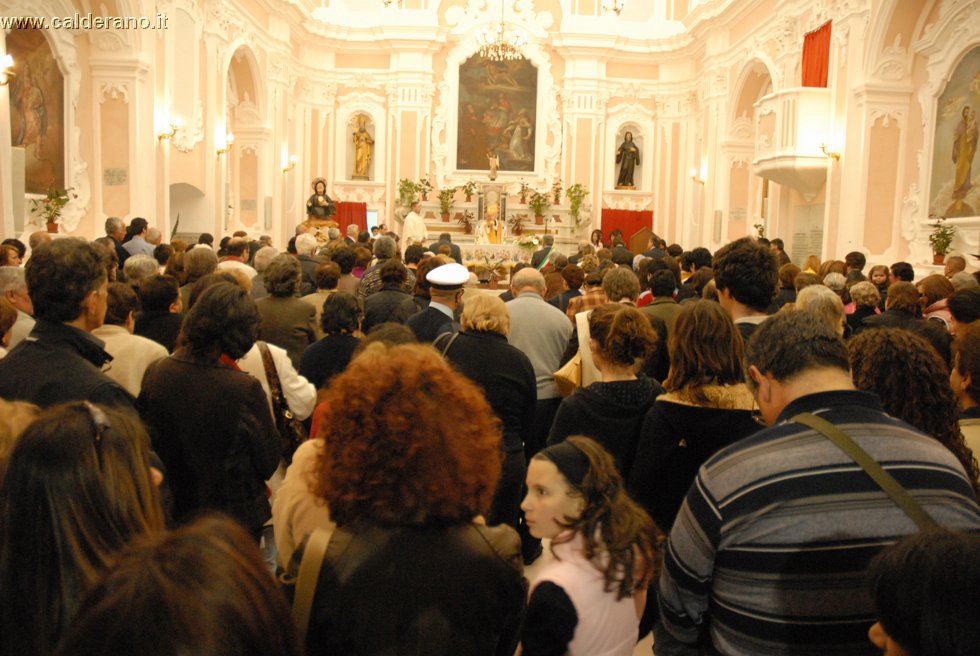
[
  {"x": 628, "y": 158},
  {"x": 363, "y": 150},
  {"x": 319, "y": 205},
  {"x": 494, "y": 163}
]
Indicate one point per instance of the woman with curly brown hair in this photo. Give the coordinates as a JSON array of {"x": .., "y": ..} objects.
[
  {"x": 590, "y": 598},
  {"x": 887, "y": 361},
  {"x": 408, "y": 464},
  {"x": 707, "y": 406}
]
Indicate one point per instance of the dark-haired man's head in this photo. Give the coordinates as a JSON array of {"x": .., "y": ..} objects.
[
  {"x": 160, "y": 293},
  {"x": 746, "y": 277},
  {"x": 855, "y": 261},
  {"x": 122, "y": 305},
  {"x": 791, "y": 355},
  {"x": 67, "y": 280},
  {"x": 902, "y": 272}
]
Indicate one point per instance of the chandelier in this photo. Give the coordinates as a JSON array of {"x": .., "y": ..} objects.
[{"x": 503, "y": 42}]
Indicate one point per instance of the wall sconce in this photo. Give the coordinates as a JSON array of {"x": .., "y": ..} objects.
[
  {"x": 7, "y": 70},
  {"x": 829, "y": 153},
  {"x": 614, "y": 6},
  {"x": 694, "y": 176},
  {"x": 164, "y": 135},
  {"x": 229, "y": 142},
  {"x": 291, "y": 165}
]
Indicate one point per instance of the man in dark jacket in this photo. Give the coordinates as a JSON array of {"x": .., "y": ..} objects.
[
  {"x": 60, "y": 361},
  {"x": 446, "y": 238}
]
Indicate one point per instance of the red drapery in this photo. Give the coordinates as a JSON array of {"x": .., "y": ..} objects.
[
  {"x": 816, "y": 57},
  {"x": 626, "y": 220},
  {"x": 348, "y": 213}
]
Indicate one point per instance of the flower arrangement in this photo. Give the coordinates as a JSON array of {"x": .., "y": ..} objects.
[
  {"x": 51, "y": 206},
  {"x": 424, "y": 187},
  {"x": 576, "y": 194},
  {"x": 527, "y": 242},
  {"x": 446, "y": 200},
  {"x": 408, "y": 191},
  {"x": 941, "y": 237},
  {"x": 469, "y": 189}
]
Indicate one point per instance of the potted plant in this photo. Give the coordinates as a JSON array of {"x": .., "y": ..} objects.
[
  {"x": 469, "y": 189},
  {"x": 408, "y": 192},
  {"x": 941, "y": 238},
  {"x": 539, "y": 204},
  {"x": 424, "y": 187},
  {"x": 556, "y": 190},
  {"x": 465, "y": 219},
  {"x": 51, "y": 205},
  {"x": 576, "y": 194},
  {"x": 524, "y": 191},
  {"x": 446, "y": 202},
  {"x": 515, "y": 222}
]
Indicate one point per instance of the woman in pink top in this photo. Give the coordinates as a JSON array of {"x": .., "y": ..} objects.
[{"x": 589, "y": 600}]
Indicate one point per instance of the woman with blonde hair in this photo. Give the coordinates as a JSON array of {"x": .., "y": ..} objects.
[
  {"x": 707, "y": 406},
  {"x": 481, "y": 352}
]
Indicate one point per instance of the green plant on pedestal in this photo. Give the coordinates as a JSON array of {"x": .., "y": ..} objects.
[
  {"x": 941, "y": 237},
  {"x": 576, "y": 194},
  {"x": 446, "y": 201},
  {"x": 408, "y": 193},
  {"x": 539, "y": 204},
  {"x": 424, "y": 187},
  {"x": 469, "y": 189}
]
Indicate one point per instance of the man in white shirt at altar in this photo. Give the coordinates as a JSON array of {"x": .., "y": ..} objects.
[{"x": 414, "y": 231}]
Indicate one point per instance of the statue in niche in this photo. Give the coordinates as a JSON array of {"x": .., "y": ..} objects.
[
  {"x": 628, "y": 158},
  {"x": 494, "y": 163},
  {"x": 363, "y": 150},
  {"x": 319, "y": 206}
]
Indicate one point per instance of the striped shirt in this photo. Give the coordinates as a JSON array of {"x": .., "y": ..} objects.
[{"x": 769, "y": 552}]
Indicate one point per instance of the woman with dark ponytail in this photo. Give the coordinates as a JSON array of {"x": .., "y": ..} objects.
[
  {"x": 587, "y": 599},
  {"x": 611, "y": 411}
]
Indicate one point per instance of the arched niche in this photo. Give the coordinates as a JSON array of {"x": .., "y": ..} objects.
[
  {"x": 245, "y": 103},
  {"x": 638, "y": 135},
  {"x": 371, "y": 106},
  {"x": 188, "y": 203}
]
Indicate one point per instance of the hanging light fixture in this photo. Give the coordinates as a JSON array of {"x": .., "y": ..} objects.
[
  {"x": 502, "y": 43},
  {"x": 615, "y": 6}
]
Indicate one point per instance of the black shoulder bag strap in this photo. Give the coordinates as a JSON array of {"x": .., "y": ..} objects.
[{"x": 884, "y": 480}]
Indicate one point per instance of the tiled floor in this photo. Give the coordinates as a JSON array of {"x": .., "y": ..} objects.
[{"x": 643, "y": 648}]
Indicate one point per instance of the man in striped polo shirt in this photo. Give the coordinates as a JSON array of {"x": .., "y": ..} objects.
[{"x": 769, "y": 552}]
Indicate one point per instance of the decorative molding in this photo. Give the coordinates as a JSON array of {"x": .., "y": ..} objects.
[
  {"x": 115, "y": 90},
  {"x": 316, "y": 92},
  {"x": 627, "y": 200},
  {"x": 109, "y": 41},
  {"x": 372, "y": 194},
  {"x": 888, "y": 115},
  {"x": 741, "y": 128}
]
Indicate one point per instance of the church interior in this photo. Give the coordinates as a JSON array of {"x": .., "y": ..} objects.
[{"x": 835, "y": 125}]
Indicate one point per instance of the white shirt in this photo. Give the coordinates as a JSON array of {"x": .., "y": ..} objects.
[
  {"x": 235, "y": 264},
  {"x": 414, "y": 230},
  {"x": 298, "y": 392},
  {"x": 22, "y": 328},
  {"x": 131, "y": 355}
]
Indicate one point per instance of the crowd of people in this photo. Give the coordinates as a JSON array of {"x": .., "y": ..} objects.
[{"x": 346, "y": 446}]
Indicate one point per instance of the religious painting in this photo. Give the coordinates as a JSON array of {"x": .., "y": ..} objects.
[
  {"x": 37, "y": 122},
  {"x": 497, "y": 114},
  {"x": 955, "y": 181}
]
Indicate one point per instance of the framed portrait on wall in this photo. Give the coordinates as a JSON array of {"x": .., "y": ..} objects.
[
  {"x": 497, "y": 114},
  {"x": 955, "y": 172},
  {"x": 37, "y": 120}
]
